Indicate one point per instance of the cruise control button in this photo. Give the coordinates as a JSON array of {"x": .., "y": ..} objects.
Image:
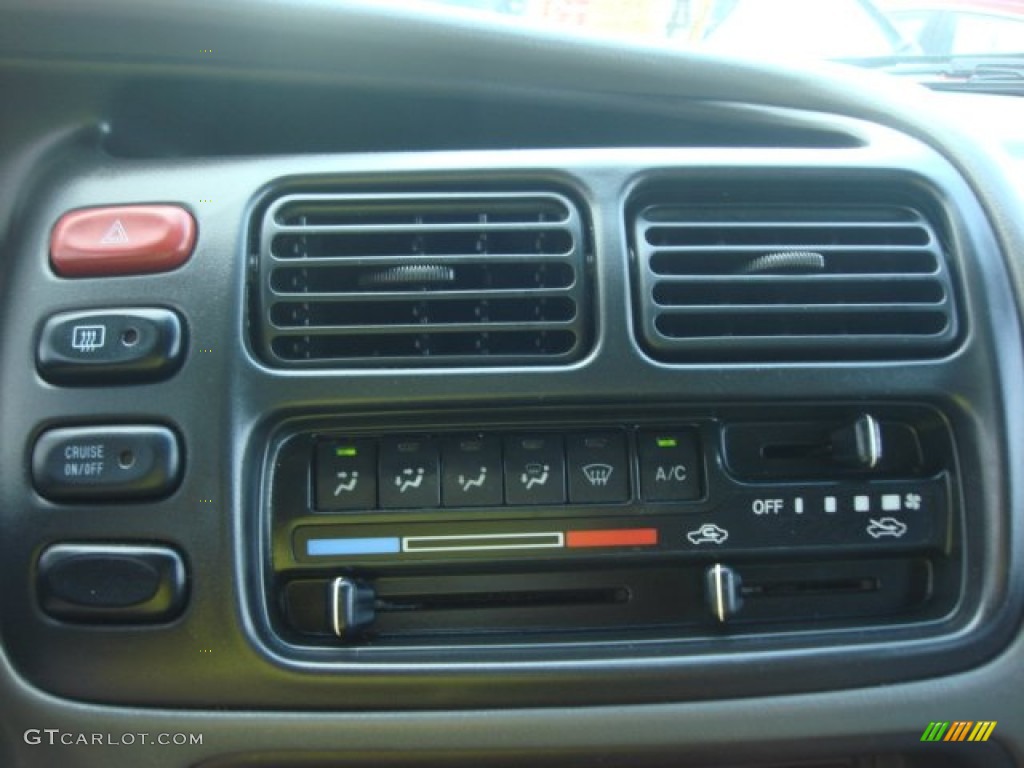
[
  {"x": 409, "y": 473},
  {"x": 85, "y": 463},
  {"x": 122, "y": 240},
  {"x": 597, "y": 468},
  {"x": 110, "y": 346},
  {"x": 534, "y": 469},
  {"x": 472, "y": 472},
  {"x": 346, "y": 475},
  {"x": 669, "y": 465}
]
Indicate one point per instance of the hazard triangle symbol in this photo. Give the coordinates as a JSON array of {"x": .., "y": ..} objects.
[{"x": 116, "y": 234}]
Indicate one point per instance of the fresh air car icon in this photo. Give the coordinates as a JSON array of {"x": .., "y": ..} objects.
[{"x": 886, "y": 526}]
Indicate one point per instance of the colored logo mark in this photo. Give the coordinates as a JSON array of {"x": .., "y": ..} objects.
[{"x": 959, "y": 730}]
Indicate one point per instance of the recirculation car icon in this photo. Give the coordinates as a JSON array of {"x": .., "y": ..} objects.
[{"x": 709, "y": 533}]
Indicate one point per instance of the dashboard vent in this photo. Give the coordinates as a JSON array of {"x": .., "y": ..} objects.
[
  {"x": 757, "y": 282},
  {"x": 423, "y": 279}
]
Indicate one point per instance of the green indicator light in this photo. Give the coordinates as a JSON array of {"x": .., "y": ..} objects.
[
  {"x": 347, "y": 450},
  {"x": 668, "y": 442}
]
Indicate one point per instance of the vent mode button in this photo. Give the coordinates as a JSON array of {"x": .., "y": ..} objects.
[
  {"x": 346, "y": 475},
  {"x": 410, "y": 473},
  {"x": 534, "y": 469}
]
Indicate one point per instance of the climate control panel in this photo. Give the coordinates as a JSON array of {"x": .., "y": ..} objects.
[{"x": 607, "y": 503}]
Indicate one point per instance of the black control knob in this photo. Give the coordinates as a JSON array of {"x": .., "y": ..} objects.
[
  {"x": 352, "y": 607},
  {"x": 723, "y": 590},
  {"x": 858, "y": 444}
]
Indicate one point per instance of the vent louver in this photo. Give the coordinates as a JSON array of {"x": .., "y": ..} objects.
[
  {"x": 752, "y": 282},
  {"x": 422, "y": 279}
]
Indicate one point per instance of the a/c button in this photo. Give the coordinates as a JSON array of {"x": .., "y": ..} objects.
[{"x": 670, "y": 467}]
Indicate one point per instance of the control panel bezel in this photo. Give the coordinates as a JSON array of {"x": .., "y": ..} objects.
[{"x": 289, "y": 514}]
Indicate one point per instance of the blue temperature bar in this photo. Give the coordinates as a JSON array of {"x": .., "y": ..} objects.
[{"x": 324, "y": 547}]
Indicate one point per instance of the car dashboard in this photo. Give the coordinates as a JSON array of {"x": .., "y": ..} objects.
[{"x": 387, "y": 389}]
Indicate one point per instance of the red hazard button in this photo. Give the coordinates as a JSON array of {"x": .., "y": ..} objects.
[{"x": 123, "y": 240}]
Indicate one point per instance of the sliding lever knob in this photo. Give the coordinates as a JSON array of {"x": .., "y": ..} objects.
[
  {"x": 858, "y": 444},
  {"x": 723, "y": 590},
  {"x": 352, "y": 607}
]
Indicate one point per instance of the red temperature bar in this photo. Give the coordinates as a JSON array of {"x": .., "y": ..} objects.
[{"x": 623, "y": 537}]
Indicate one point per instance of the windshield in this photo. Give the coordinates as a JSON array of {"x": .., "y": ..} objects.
[{"x": 823, "y": 29}]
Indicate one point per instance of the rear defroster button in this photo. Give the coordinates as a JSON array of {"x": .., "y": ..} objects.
[{"x": 110, "y": 346}]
